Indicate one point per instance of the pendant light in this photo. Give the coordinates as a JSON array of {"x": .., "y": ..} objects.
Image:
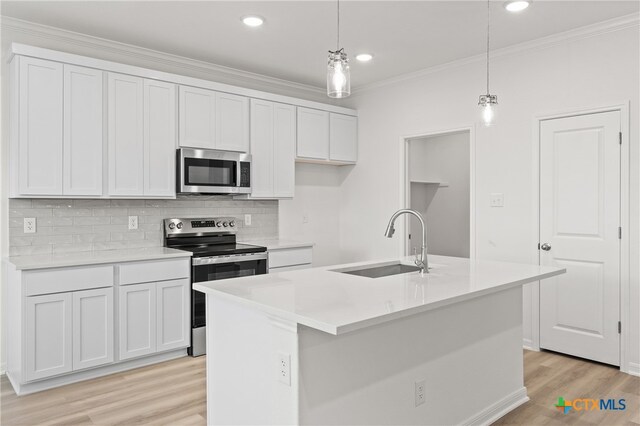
[
  {"x": 338, "y": 78},
  {"x": 488, "y": 102}
]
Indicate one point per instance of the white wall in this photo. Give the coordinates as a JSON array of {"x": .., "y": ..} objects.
[
  {"x": 444, "y": 159},
  {"x": 566, "y": 75},
  {"x": 317, "y": 197}
]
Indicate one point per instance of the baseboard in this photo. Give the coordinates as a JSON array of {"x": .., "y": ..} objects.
[
  {"x": 3, "y": 368},
  {"x": 499, "y": 409},
  {"x": 528, "y": 344},
  {"x": 633, "y": 368},
  {"x": 54, "y": 382}
]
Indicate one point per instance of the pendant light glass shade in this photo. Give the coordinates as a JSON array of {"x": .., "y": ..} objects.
[{"x": 338, "y": 75}]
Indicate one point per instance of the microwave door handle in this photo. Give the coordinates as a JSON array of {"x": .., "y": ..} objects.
[{"x": 238, "y": 173}]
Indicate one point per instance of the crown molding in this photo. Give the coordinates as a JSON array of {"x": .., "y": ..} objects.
[
  {"x": 588, "y": 31},
  {"x": 161, "y": 59}
]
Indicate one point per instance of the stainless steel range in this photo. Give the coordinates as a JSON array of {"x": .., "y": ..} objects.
[{"x": 216, "y": 256}]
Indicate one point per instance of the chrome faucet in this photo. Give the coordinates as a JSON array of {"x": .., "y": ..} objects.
[{"x": 421, "y": 262}]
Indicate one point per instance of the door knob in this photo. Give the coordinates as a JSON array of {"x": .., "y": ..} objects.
[{"x": 545, "y": 247}]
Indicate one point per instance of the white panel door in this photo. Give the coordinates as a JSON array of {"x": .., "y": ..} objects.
[
  {"x": 92, "y": 328},
  {"x": 579, "y": 220},
  {"x": 262, "y": 153},
  {"x": 232, "y": 122},
  {"x": 82, "y": 131},
  {"x": 172, "y": 311},
  {"x": 137, "y": 320},
  {"x": 197, "y": 111},
  {"x": 126, "y": 135},
  {"x": 343, "y": 145},
  {"x": 48, "y": 335},
  {"x": 40, "y": 127},
  {"x": 159, "y": 138},
  {"x": 313, "y": 134},
  {"x": 284, "y": 150}
]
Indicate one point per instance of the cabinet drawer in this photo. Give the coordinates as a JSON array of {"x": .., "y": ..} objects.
[
  {"x": 60, "y": 280},
  {"x": 289, "y": 268},
  {"x": 290, "y": 257},
  {"x": 156, "y": 270}
]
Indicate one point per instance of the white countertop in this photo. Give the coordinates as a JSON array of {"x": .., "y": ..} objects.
[
  {"x": 337, "y": 303},
  {"x": 43, "y": 261},
  {"x": 278, "y": 244}
]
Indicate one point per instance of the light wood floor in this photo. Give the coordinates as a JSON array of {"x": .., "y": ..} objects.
[{"x": 174, "y": 393}]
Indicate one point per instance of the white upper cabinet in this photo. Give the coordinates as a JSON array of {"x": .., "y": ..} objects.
[
  {"x": 313, "y": 134},
  {"x": 232, "y": 122},
  {"x": 83, "y": 116},
  {"x": 343, "y": 138},
  {"x": 159, "y": 138},
  {"x": 197, "y": 112},
  {"x": 38, "y": 109},
  {"x": 213, "y": 120},
  {"x": 273, "y": 133},
  {"x": 126, "y": 135}
]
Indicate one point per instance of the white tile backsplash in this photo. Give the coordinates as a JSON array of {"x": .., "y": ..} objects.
[{"x": 65, "y": 226}]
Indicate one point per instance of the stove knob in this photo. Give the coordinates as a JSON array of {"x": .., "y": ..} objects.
[
  {"x": 225, "y": 224},
  {"x": 172, "y": 225},
  {"x": 179, "y": 225},
  {"x": 232, "y": 224},
  {"x": 218, "y": 223}
]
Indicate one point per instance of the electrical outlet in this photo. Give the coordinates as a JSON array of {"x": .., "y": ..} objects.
[
  {"x": 496, "y": 199},
  {"x": 419, "y": 392},
  {"x": 247, "y": 220},
  {"x": 133, "y": 222},
  {"x": 29, "y": 225},
  {"x": 284, "y": 368},
  {"x": 305, "y": 217}
]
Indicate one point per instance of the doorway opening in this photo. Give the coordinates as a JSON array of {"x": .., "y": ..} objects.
[{"x": 438, "y": 184}]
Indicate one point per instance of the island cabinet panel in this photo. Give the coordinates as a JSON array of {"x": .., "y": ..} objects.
[
  {"x": 92, "y": 328},
  {"x": 83, "y": 132},
  {"x": 343, "y": 138},
  {"x": 232, "y": 122},
  {"x": 159, "y": 138},
  {"x": 272, "y": 149},
  {"x": 197, "y": 112},
  {"x": 313, "y": 134},
  {"x": 137, "y": 320},
  {"x": 126, "y": 135},
  {"x": 48, "y": 336},
  {"x": 39, "y": 137},
  {"x": 172, "y": 313}
]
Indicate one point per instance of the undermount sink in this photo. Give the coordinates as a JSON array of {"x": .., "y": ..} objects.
[{"x": 379, "y": 270}]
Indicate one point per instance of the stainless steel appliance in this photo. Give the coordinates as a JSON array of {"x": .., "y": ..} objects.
[
  {"x": 206, "y": 171},
  {"x": 216, "y": 256}
]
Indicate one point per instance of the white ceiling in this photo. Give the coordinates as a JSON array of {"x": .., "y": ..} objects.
[{"x": 404, "y": 36}]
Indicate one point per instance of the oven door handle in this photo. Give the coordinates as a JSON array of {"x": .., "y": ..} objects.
[{"x": 197, "y": 261}]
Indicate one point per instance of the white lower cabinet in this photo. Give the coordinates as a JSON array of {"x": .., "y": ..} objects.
[
  {"x": 92, "y": 328},
  {"x": 48, "y": 335},
  {"x": 172, "y": 314},
  {"x": 137, "y": 320}
]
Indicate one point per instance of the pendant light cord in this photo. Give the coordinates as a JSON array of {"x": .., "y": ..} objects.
[
  {"x": 338, "y": 41},
  {"x": 488, "y": 32}
]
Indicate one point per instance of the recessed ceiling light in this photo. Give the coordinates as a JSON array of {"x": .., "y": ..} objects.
[
  {"x": 364, "y": 57},
  {"x": 517, "y": 5},
  {"x": 252, "y": 21}
]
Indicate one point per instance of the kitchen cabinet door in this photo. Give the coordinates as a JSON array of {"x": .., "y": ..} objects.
[
  {"x": 40, "y": 112},
  {"x": 48, "y": 335},
  {"x": 137, "y": 320},
  {"x": 284, "y": 150},
  {"x": 343, "y": 138},
  {"x": 173, "y": 324},
  {"x": 126, "y": 135},
  {"x": 197, "y": 112},
  {"x": 232, "y": 122},
  {"x": 159, "y": 139},
  {"x": 262, "y": 153},
  {"x": 92, "y": 328},
  {"x": 313, "y": 134},
  {"x": 83, "y": 131}
]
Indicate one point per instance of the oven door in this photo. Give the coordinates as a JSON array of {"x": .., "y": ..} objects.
[
  {"x": 220, "y": 268},
  {"x": 213, "y": 172}
]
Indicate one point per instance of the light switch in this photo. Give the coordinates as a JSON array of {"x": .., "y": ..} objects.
[{"x": 496, "y": 199}]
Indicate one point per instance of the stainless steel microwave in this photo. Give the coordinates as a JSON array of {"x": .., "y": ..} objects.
[{"x": 207, "y": 171}]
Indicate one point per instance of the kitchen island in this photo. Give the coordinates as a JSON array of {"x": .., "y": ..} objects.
[{"x": 325, "y": 346}]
